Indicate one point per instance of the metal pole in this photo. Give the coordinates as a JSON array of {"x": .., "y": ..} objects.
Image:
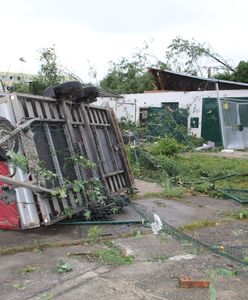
[{"x": 221, "y": 119}]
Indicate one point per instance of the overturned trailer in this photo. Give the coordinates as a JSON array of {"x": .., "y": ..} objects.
[{"x": 69, "y": 146}]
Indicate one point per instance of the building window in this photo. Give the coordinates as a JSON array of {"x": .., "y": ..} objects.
[
  {"x": 194, "y": 122},
  {"x": 170, "y": 105}
]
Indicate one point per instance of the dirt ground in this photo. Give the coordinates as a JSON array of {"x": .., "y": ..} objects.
[{"x": 157, "y": 264}]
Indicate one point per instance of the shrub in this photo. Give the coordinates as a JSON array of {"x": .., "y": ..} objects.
[{"x": 166, "y": 146}]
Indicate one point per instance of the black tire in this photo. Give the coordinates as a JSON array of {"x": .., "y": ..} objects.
[
  {"x": 12, "y": 143},
  {"x": 68, "y": 89},
  {"x": 88, "y": 95},
  {"x": 74, "y": 91}
]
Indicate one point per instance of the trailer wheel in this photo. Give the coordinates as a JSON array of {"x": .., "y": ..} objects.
[{"x": 11, "y": 144}]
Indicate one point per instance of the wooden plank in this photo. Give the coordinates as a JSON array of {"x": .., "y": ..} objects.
[
  {"x": 25, "y": 184},
  {"x": 100, "y": 116},
  {"x": 125, "y": 162},
  {"x": 17, "y": 108},
  {"x": 39, "y": 110},
  {"x": 110, "y": 146},
  {"x": 89, "y": 154},
  {"x": 29, "y": 108},
  {"x": 105, "y": 120},
  {"x": 95, "y": 116},
  {"x": 100, "y": 150},
  {"x": 47, "y": 110},
  {"x": 91, "y": 117},
  {"x": 92, "y": 144}
]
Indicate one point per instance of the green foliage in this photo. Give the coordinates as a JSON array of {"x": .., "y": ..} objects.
[
  {"x": 173, "y": 191},
  {"x": 41, "y": 172},
  {"x": 162, "y": 121},
  {"x": 114, "y": 256},
  {"x": 18, "y": 160},
  {"x": 28, "y": 269},
  {"x": 69, "y": 212},
  {"x": 21, "y": 87},
  {"x": 63, "y": 267},
  {"x": 46, "y": 296},
  {"x": 191, "y": 56},
  {"x": 198, "y": 224},
  {"x": 94, "y": 233},
  {"x": 49, "y": 73},
  {"x": 166, "y": 146},
  {"x": 80, "y": 160},
  {"x": 60, "y": 192},
  {"x": 129, "y": 75},
  {"x": 167, "y": 165},
  {"x": 79, "y": 185},
  {"x": 241, "y": 72},
  {"x": 239, "y": 214}
]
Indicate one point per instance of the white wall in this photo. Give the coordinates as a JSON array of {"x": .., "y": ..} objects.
[{"x": 125, "y": 107}]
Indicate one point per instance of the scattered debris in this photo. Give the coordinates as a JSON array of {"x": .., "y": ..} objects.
[{"x": 156, "y": 225}]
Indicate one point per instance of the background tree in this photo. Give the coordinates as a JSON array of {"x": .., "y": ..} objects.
[
  {"x": 130, "y": 75},
  {"x": 49, "y": 73},
  {"x": 194, "y": 58}
]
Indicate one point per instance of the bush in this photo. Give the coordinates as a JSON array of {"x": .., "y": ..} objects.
[{"x": 166, "y": 146}]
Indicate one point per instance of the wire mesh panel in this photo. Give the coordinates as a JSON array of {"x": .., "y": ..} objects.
[
  {"x": 235, "y": 124},
  {"x": 74, "y": 150}
]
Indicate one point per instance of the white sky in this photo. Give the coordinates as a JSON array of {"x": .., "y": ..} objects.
[{"x": 99, "y": 31}]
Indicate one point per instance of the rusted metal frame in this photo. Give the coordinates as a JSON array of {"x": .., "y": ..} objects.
[
  {"x": 125, "y": 162},
  {"x": 55, "y": 160},
  {"x": 92, "y": 143}
]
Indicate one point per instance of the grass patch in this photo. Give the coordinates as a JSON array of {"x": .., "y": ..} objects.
[
  {"x": 28, "y": 269},
  {"x": 113, "y": 256},
  {"x": 240, "y": 214},
  {"x": 198, "y": 224},
  {"x": 94, "y": 233},
  {"x": 160, "y": 258}
]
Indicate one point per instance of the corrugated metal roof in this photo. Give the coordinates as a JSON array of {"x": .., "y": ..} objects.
[{"x": 172, "y": 81}]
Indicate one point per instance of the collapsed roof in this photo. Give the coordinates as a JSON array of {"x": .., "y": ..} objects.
[{"x": 172, "y": 81}]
